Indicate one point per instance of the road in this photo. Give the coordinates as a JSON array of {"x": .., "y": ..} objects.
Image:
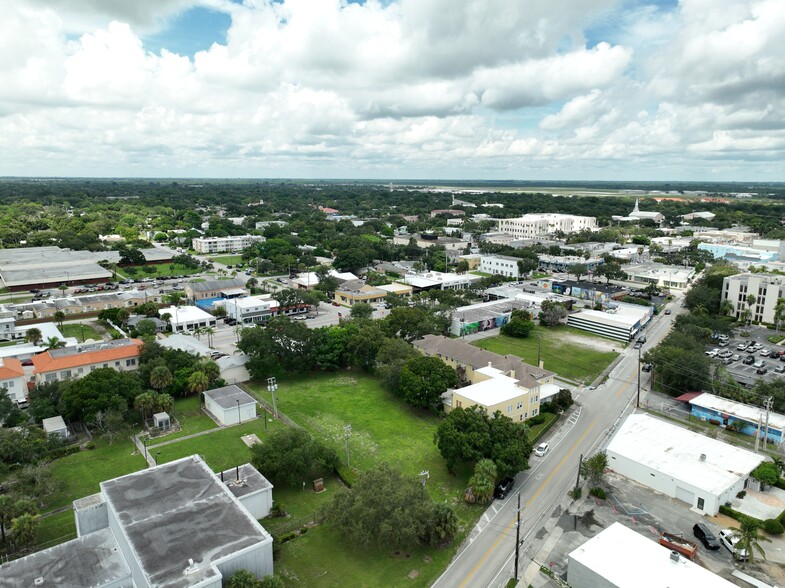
[{"x": 486, "y": 557}]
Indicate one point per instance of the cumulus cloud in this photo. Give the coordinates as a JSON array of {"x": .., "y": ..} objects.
[{"x": 399, "y": 88}]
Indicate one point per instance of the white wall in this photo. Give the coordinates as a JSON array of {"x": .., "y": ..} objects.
[
  {"x": 15, "y": 387},
  {"x": 579, "y": 576},
  {"x": 258, "y": 503},
  {"x": 228, "y": 416},
  {"x": 257, "y": 559}
]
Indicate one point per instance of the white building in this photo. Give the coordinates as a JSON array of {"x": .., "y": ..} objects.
[
  {"x": 704, "y": 215},
  {"x": 533, "y": 225},
  {"x": 7, "y": 323},
  {"x": 55, "y": 426},
  {"x": 766, "y": 288},
  {"x": 501, "y": 265},
  {"x": 638, "y": 215},
  {"x": 440, "y": 281},
  {"x": 703, "y": 472},
  {"x": 230, "y": 405},
  {"x": 176, "y": 524},
  {"x": 618, "y": 557},
  {"x": 71, "y": 363},
  {"x": 13, "y": 379},
  {"x": 231, "y": 244},
  {"x": 251, "y": 309},
  {"x": 621, "y": 321},
  {"x": 675, "y": 277},
  {"x": 187, "y": 318}
]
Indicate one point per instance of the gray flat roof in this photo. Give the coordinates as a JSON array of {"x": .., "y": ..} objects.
[
  {"x": 250, "y": 480},
  {"x": 53, "y": 273},
  {"x": 180, "y": 511},
  {"x": 216, "y": 285},
  {"x": 228, "y": 396},
  {"x": 91, "y": 560}
]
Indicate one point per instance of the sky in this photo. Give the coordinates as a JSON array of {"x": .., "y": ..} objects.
[{"x": 416, "y": 89}]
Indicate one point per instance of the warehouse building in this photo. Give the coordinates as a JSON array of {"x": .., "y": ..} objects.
[{"x": 621, "y": 321}]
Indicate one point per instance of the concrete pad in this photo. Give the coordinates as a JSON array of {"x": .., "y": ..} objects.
[
  {"x": 761, "y": 505},
  {"x": 251, "y": 439}
]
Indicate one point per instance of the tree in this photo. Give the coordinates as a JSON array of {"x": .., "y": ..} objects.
[
  {"x": 160, "y": 377},
  {"x": 283, "y": 346},
  {"x": 198, "y": 382},
  {"x": 382, "y": 509},
  {"x": 131, "y": 256},
  {"x": 482, "y": 483},
  {"x": 443, "y": 525},
  {"x": 750, "y": 538},
  {"x": 462, "y": 267},
  {"x": 7, "y": 512},
  {"x": 362, "y": 345},
  {"x": 175, "y": 297},
  {"x": 424, "y": 379},
  {"x": 210, "y": 369},
  {"x": 99, "y": 391},
  {"x": 24, "y": 529},
  {"x": 242, "y": 579},
  {"x": 779, "y": 312},
  {"x": 291, "y": 456},
  {"x": 110, "y": 423},
  {"x": 517, "y": 328},
  {"x": 411, "y": 323},
  {"x": 330, "y": 347},
  {"x": 146, "y": 328},
  {"x": 252, "y": 283},
  {"x": 551, "y": 313},
  {"x": 463, "y": 436},
  {"x": 610, "y": 270},
  {"x": 123, "y": 315},
  {"x": 59, "y": 317},
  {"x": 362, "y": 310},
  {"x": 578, "y": 270},
  {"x": 145, "y": 403},
  {"x": 766, "y": 473},
  {"x": 33, "y": 335},
  {"x": 594, "y": 467}
]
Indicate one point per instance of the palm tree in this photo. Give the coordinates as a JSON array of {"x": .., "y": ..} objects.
[
  {"x": 749, "y": 539},
  {"x": 54, "y": 343},
  {"x": 122, "y": 316},
  {"x": 252, "y": 283},
  {"x": 210, "y": 369},
  {"x": 198, "y": 382},
  {"x": 24, "y": 529},
  {"x": 197, "y": 331},
  {"x": 726, "y": 307},
  {"x": 33, "y": 335},
  {"x": 160, "y": 377},
  {"x": 209, "y": 331},
  {"x": 751, "y": 300},
  {"x": 59, "y": 317},
  {"x": 164, "y": 403},
  {"x": 144, "y": 402}
]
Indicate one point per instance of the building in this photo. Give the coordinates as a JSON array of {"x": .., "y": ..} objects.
[
  {"x": 91, "y": 303},
  {"x": 75, "y": 362},
  {"x": 497, "y": 382},
  {"x": 402, "y": 290},
  {"x": 484, "y": 316},
  {"x": 232, "y": 244},
  {"x": 215, "y": 289},
  {"x": 175, "y": 525},
  {"x": 49, "y": 267},
  {"x": 261, "y": 225},
  {"x": 251, "y": 309},
  {"x": 309, "y": 280},
  {"x": 638, "y": 215},
  {"x": 187, "y": 318},
  {"x": 743, "y": 417},
  {"x": 13, "y": 379},
  {"x": 449, "y": 211},
  {"x": 741, "y": 253},
  {"x": 427, "y": 240},
  {"x": 674, "y": 277},
  {"x": 620, "y": 321},
  {"x": 500, "y": 265},
  {"x": 703, "y": 472},
  {"x": 160, "y": 326},
  {"x": 55, "y": 426},
  {"x": 353, "y": 292},
  {"x": 230, "y": 405},
  {"x": 440, "y": 281},
  {"x": 472, "y": 259},
  {"x": 618, "y": 557},
  {"x": 766, "y": 288},
  {"x": 702, "y": 215},
  {"x": 534, "y": 225},
  {"x": 7, "y": 323},
  {"x": 562, "y": 263}
]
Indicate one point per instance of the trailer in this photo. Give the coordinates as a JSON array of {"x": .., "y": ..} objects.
[{"x": 684, "y": 546}]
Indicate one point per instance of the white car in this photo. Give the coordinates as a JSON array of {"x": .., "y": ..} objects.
[
  {"x": 729, "y": 539},
  {"x": 542, "y": 449},
  {"x": 764, "y": 353},
  {"x": 713, "y": 352},
  {"x": 741, "y": 346}
]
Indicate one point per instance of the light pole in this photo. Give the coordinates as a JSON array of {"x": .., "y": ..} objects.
[
  {"x": 463, "y": 326},
  {"x": 272, "y": 386},
  {"x": 638, "y": 401},
  {"x": 347, "y": 430},
  {"x": 239, "y": 415}
]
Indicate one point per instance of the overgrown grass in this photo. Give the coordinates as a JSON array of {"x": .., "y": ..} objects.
[
  {"x": 160, "y": 270},
  {"x": 81, "y": 332},
  {"x": 228, "y": 259},
  {"x": 567, "y": 359}
]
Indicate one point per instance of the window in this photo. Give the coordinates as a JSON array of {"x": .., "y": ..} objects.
[
  {"x": 534, "y": 412},
  {"x": 51, "y": 377},
  {"x": 80, "y": 371},
  {"x": 65, "y": 374},
  {"x": 700, "y": 503},
  {"x": 520, "y": 405},
  {"x": 458, "y": 404},
  {"x": 130, "y": 362},
  {"x": 117, "y": 364},
  {"x": 9, "y": 384},
  {"x": 509, "y": 408},
  {"x": 520, "y": 417}
]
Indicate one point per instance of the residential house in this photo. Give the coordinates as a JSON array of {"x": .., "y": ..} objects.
[
  {"x": 13, "y": 379},
  {"x": 75, "y": 362}
]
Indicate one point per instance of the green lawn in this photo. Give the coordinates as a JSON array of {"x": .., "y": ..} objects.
[
  {"x": 81, "y": 332},
  {"x": 536, "y": 430},
  {"x": 80, "y": 473},
  {"x": 567, "y": 359},
  {"x": 161, "y": 270},
  {"x": 228, "y": 259},
  {"x": 56, "y": 529},
  {"x": 192, "y": 420}
]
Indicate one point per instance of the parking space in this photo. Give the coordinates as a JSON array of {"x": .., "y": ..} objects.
[{"x": 749, "y": 359}]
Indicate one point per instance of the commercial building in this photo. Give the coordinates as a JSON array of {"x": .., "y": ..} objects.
[
  {"x": 427, "y": 240},
  {"x": 215, "y": 289},
  {"x": 13, "y": 379},
  {"x": 618, "y": 557},
  {"x": 251, "y": 309},
  {"x": 703, "y": 472},
  {"x": 69, "y": 363},
  {"x": 766, "y": 288},
  {"x": 472, "y": 259},
  {"x": 484, "y": 316},
  {"x": 735, "y": 252},
  {"x": 742, "y": 417},
  {"x": 230, "y": 405},
  {"x": 7, "y": 323},
  {"x": 500, "y": 265},
  {"x": 233, "y": 244},
  {"x": 309, "y": 280},
  {"x": 563, "y": 263},
  {"x": 176, "y": 525},
  {"x": 497, "y": 382},
  {"x": 440, "y": 281},
  {"x": 619, "y": 321},
  {"x": 702, "y": 215},
  {"x": 403, "y": 290},
  {"x": 674, "y": 277},
  {"x": 49, "y": 267},
  {"x": 534, "y": 225},
  {"x": 91, "y": 303},
  {"x": 187, "y": 318},
  {"x": 353, "y": 292}
]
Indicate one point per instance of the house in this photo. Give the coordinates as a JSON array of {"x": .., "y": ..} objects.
[
  {"x": 251, "y": 309},
  {"x": 174, "y": 525},
  {"x": 497, "y": 382},
  {"x": 160, "y": 326},
  {"x": 230, "y": 405},
  {"x": 215, "y": 289},
  {"x": 743, "y": 417},
  {"x": 703, "y": 472},
  {"x": 55, "y": 426},
  {"x": 353, "y": 292},
  {"x": 618, "y": 557},
  {"x": 75, "y": 362},
  {"x": 187, "y": 318},
  {"x": 13, "y": 379}
]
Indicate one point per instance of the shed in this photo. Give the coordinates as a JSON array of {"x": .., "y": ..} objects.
[
  {"x": 230, "y": 405},
  {"x": 55, "y": 426},
  {"x": 161, "y": 420}
]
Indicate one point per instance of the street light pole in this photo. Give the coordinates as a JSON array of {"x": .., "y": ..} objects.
[{"x": 272, "y": 386}]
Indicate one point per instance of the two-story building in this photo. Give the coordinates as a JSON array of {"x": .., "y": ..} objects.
[
  {"x": 13, "y": 379},
  {"x": 500, "y": 265},
  {"x": 496, "y": 382},
  {"x": 356, "y": 291},
  {"x": 251, "y": 309},
  {"x": 75, "y": 362}
]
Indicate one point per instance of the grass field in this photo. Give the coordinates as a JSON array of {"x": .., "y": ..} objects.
[
  {"x": 561, "y": 350},
  {"x": 81, "y": 332},
  {"x": 383, "y": 429},
  {"x": 228, "y": 259},
  {"x": 161, "y": 270},
  {"x": 192, "y": 420},
  {"x": 55, "y": 529}
]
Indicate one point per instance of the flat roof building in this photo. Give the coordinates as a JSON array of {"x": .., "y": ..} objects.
[
  {"x": 767, "y": 289},
  {"x": 232, "y": 288},
  {"x": 230, "y": 405},
  {"x": 251, "y": 309},
  {"x": 743, "y": 417},
  {"x": 233, "y": 243},
  {"x": 621, "y": 321},
  {"x": 533, "y": 225},
  {"x": 440, "y": 281},
  {"x": 75, "y": 362},
  {"x": 187, "y": 318}
]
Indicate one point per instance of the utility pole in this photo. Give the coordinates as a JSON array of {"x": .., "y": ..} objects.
[
  {"x": 347, "y": 430},
  {"x": 272, "y": 386},
  {"x": 757, "y": 436},
  {"x": 768, "y": 404},
  {"x": 638, "y": 401},
  {"x": 517, "y": 535},
  {"x": 578, "y": 479}
]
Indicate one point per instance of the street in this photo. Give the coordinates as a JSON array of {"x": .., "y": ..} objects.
[{"x": 487, "y": 556}]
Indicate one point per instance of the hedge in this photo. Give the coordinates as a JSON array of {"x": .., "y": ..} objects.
[
  {"x": 773, "y": 527},
  {"x": 727, "y": 511}
]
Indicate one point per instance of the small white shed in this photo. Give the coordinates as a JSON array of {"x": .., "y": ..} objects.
[
  {"x": 230, "y": 405},
  {"x": 162, "y": 421},
  {"x": 55, "y": 426}
]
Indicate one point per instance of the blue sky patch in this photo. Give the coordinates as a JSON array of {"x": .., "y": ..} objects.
[{"x": 194, "y": 30}]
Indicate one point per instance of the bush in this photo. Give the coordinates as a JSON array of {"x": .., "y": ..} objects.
[
  {"x": 773, "y": 527},
  {"x": 780, "y": 484},
  {"x": 598, "y": 493},
  {"x": 727, "y": 511},
  {"x": 741, "y": 494},
  {"x": 537, "y": 420},
  {"x": 575, "y": 493}
]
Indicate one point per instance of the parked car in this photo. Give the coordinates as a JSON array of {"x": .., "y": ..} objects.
[
  {"x": 780, "y": 369},
  {"x": 705, "y": 536},
  {"x": 542, "y": 449},
  {"x": 735, "y": 357},
  {"x": 782, "y": 357},
  {"x": 713, "y": 352},
  {"x": 758, "y": 364},
  {"x": 503, "y": 488},
  {"x": 723, "y": 343},
  {"x": 646, "y": 367},
  {"x": 741, "y": 346},
  {"x": 762, "y": 370},
  {"x": 764, "y": 353},
  {"x": 729, "y": 539}
]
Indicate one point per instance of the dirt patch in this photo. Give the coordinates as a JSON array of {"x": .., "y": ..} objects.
[
  {"x": 414, "y": 574},
  {"x": 596, "y": 343}
]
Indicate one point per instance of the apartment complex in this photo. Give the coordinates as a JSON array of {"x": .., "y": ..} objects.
[
  {"x": 766, "y": 288},
  {"x": 75, "y": 362},
  {"x": 231, "y": 244},
  {"x": 501, "y": 265},
  {"x": 533, "y": 225}
]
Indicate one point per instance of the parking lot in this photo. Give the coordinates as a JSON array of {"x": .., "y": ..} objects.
[{"x": 746, "y": 357}]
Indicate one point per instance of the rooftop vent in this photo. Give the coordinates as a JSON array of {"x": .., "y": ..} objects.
[
  {"x": 675, "y": 556},
  {"x": 703, "y": 457},
  {"x": 38, "y": 581},
  {"x": 192, "y": 568}
]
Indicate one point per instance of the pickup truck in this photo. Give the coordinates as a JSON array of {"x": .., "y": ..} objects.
[{"x": 684, "y": 546}]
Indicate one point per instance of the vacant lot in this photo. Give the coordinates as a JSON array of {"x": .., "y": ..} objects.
[
  {"x": 568, "y": 352},
  {"x": 228, "y": 259},
  {"x": 82, "y": 332}
]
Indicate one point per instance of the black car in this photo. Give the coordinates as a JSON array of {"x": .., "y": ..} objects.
[
  {"x": 503, "y": 488},
  {"x": 646, "y": 367},
  {"x": 704, "y": 534},
  {"x": 749, "y": 360}
]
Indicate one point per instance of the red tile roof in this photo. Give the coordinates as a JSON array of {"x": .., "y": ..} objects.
[
  {"x": 11, "y": 368},
  {"x": 44, "y": 362}
]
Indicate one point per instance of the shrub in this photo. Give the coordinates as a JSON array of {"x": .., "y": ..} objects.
[
  {"x": 727, "y": 511},
  {"x": 575, "y": 493},
  {"x": 773, "y": 527},
  {"x": 598, "y": 493},
  {"x": 278, "y": 509},
  {"x": 714, "y": 421},
  {"x": 537, "y": 420},
  {"x": 741, "y": 494}
]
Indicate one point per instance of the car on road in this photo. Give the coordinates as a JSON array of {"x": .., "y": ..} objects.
[
  {"x": 667, "y": 311},
  {"x": 646, "y": 367},
  {"x": 542, "y": 449},
  {"x": 503, "y": 488},
  {"x": 705, "y": 536},
  {"x": 637, "y": 345},
  {"x": 730, "y": 540}
]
